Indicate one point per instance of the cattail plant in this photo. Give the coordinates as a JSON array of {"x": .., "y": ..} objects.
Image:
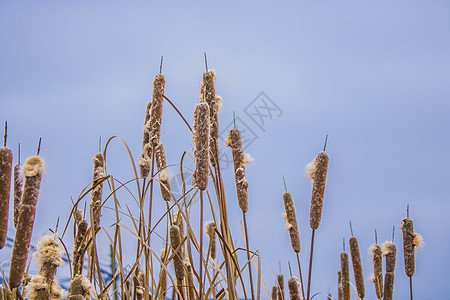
[
  {"x": 97, "y": 190},
  {"x": 317, "y": 172},
  {"x": 345, "y": 271},
  {"x": 275, "y": 292},
  {"x": 411, "y": 240},
  {"x": 280, "y": 281},
  {"x": 146, "y": 153},
  {"x": 201, "y": 145},
  {"x": 357, "y": 267},
  {"x": 162, "y": 172},
  {"x": 18, "y": 189},
  {"x": 33, "y": 169},
  {"x": 5, "y": 182},
  {"x": 154, "y": 123},
  {"x": 48, "y": 256},
  {"x": 78, "y": 247},
  {"x": 390, "y": 253},
  {"x": 377, "y": 277},
  {"x": 340, "y": 290},
  {"x": 80, "y": 288},
  {"x": 293, "y": 288},
  {"x": 178, "y": 258},
  {"x": 210, "y": 230},
  {"x": 292, "y": 227}
]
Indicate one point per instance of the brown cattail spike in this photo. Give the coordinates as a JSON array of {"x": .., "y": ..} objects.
[
  {"x": 376, "y": 253},
  {"x": 291, "y": 224},
  {"x": 5, "y": 183},
  {"x": 319, "y": 178},
  {"x": 280, "y": 280},
  {"x": 163, "y": 174},
  {"x": 357, "y": 267},
  {"x": 33, "y": 169},
  {"x": 97, "y": 190},
  {"x": 340, "y": 290},
  {"x": 293, "y": 285},
  {"x": 235, "y": 142},
  {"x": 145, "y": 158},
  {"x": 154, "y": 123},
  {"x": 274, "y": 293},
  {"x": 345, "y": 276},
  {"x": 78, "y": 248},
  {"x": 175, "y": 243},
  {"x": 19, "y": 178},
  {"x": 201, "y": 145},
  {"x": 390, "y": 253},
  {"x": 80, "y": 288},
  {"x": 210, "y": 230},
  {"x": 388, "y": 286},
  {"x": 407, "y": 227}
]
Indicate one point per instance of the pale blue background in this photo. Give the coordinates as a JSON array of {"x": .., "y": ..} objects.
[{"x": 374, "y": 75}]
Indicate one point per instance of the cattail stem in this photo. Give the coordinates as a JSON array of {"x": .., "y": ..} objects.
[
  {"x": 300, "y": 272},
  {"x": 410, "y": 287},
  {"x": 248, "y": 255},
  {"x": 201, "y": 247},
  {"x": 310, "y": 264}
]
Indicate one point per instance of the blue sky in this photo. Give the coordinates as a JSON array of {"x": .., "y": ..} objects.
[{"x": 372, "y": 75}]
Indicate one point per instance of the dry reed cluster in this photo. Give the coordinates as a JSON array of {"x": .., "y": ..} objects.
[{"x": 186, "y": 267}]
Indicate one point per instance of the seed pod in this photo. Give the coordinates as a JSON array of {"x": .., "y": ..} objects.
[
  {"x": 175, "y": 243},
  {"x": 292, "y": 222},
  {"x": 388, "y": 285},
  {"x": 275, "y": 293},
  {"x": 201, "y": 144},
  {"x": 154, "y": 123},
  {"x": 162, "y": 172},
  {"x": 340, "y": 290},
  {"x": 192, "y": 295},
  {"x": 97, "y": 190},
  {"x": 280, "y": 280},
  {"x": 210, "y": 230},
  {"x": 5, "y": 182},
  {"x": 18, "y": 189},
  {"x": 78, "y": 253},
  {"x": 318, "y": 190},
  {"x": 80, "y": 288},
  {"x": 390, "y": 252},
  {"x": 145, "y": 158},
  {"x": 33, "y": 170},
  {"x": 209, "y": 94},
  {"x": 39, "y": 288},
  {"x": 407, "y": 228},
  {"x": 293, "y": 288},
  {"x": 357, "y": 267},
  {"x": 376, "y": 253},
  {"x": 345, "y": 269},
  {"x": 48, "y": 256}
]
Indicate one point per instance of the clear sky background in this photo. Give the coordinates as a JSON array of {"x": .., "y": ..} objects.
[{"x": 373, "y": 75}]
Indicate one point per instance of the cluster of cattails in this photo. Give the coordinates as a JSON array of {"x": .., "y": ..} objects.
[{"x": 48, "y": 257}]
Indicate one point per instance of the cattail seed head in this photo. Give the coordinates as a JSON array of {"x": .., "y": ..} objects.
[
  {"x": 388, "y": 285},
  {"x": 407, "y": 227},
  {"x": 340, "y": 289},
  {"x": 33, "y": 170},
  {"x": 210, "y": 230},
  {"x": 154, "y": 123},
  {"x": 175, "y": 243},
  {"x": 390, "y": 253},
  {"x": 145, "y": 158},
  {"x": 201, "y": 145},
  {"x": 79, "y": 242},
  {"x": 234, "y": 141},
  {"x": 376, "y": 253},
  {"x": 293, "y": 286},
  {"x": 280, "y": 281},
  {"x": 48, "y": 256},
  {"x": 5, "y": 182},
  {"x": 39, "y": 288},
  {"x": 291, "y": 219},
  {"x": 345, "y": 269},
  {"x": 80, "y": 286},
  {"x": 357, "y": 267},
  {"x": 19, "y": 178},
  {"x": 208, "y": 92},
  {"x": 97, "y": 190},
  {"x": 162, "y": 172},
  {"x": 318, "y": 190},
  {"x": 274, "y": 293}
]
